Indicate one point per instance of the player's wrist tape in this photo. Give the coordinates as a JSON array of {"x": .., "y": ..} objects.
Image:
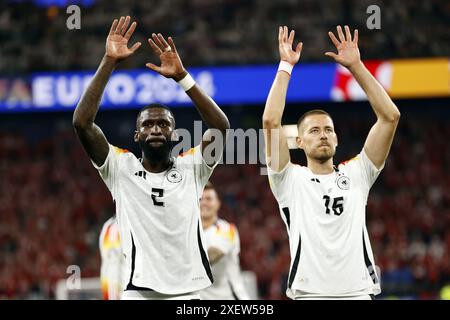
[
  {"x": 286, "y": 67},
  {"x": 187, "y": 82}
]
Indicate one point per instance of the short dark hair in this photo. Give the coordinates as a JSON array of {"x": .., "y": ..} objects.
[
  {"x": 155, "y": 106},
  {"x": 310, "y": 113}
]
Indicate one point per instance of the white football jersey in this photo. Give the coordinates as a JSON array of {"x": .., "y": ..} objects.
[
  {"x": 228, "y": 283},
  {"x": 112, "y": 262},
  {"x": 325, "y": 216},
  {"x": 159, "y": 221}
]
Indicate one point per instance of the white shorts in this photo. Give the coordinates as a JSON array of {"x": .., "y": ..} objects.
[{"x": 153, "y": 295}]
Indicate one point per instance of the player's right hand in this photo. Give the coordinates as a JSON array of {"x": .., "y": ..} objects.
[
  {"x": 285, "y": 41},
  {"x": 117, "y": 41}
]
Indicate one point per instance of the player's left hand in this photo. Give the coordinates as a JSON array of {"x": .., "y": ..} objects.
[
  {"x": 348, "y": 52},
  {"x": 171, "y": 65}
]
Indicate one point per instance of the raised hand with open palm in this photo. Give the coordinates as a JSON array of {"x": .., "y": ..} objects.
[
  {"x": 285, "y": 42},
  {"x": 171, "y": 65},
  {"x": 118, "y": 37},
  {"x": 348, "y": 52}
]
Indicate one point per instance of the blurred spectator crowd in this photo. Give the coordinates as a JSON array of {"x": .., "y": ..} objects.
[
  {"x": 217, "y": 32},
  {"x": 53, "y": 204}
]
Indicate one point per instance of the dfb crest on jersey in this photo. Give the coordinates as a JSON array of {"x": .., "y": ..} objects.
[
  {"x": 343, "y": 182},
  {"x": 174, "y": 176}
]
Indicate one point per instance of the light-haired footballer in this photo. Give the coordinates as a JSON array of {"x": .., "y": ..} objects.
[{"x": 323, "y": 205}]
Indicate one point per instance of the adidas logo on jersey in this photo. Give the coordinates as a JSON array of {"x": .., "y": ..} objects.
[{"x": 142, "y": 174}]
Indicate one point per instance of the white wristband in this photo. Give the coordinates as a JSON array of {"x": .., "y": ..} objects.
[
  {"x": 285, "y": 66},
  {"x": 187, "y": 82}
]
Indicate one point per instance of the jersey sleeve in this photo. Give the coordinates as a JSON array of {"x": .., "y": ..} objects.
[
  {"x": 201, "y": 169},
  {"x": 108, "y": 170},
  {"x": 281, "y": 182},
  {"x": 105, "y": 237},
  {"x": 102, "y": 239},
  {"x": 237, "y": 242}
]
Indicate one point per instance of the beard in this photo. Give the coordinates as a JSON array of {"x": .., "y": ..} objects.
[{"x": 156, "y": 154}]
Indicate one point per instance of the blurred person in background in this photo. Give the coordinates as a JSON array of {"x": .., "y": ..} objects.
[
  {"x": 222, "y": 241},
  {"x": 323, "y": 205},
  {"x": 112, "y": 261}
]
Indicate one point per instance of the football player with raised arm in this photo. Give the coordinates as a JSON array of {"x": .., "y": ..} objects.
[{"x": 157, "y": 195}]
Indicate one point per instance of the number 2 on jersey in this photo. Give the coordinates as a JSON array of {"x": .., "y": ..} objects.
[
  {"x": 338, "y": 205},
  {"x": 157, "y": 193}
]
